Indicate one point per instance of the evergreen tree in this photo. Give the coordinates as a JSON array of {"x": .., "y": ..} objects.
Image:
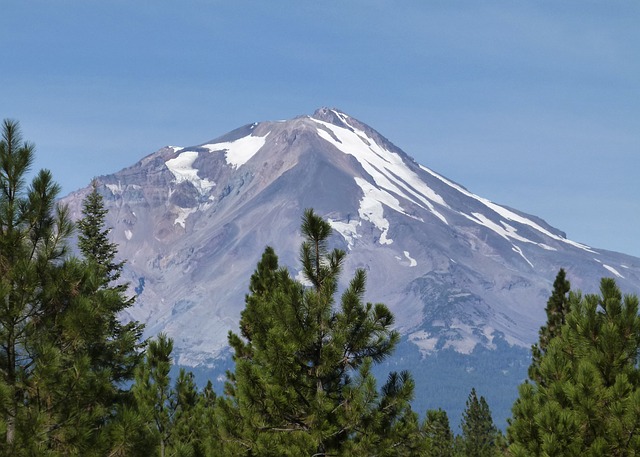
[
  {"x": 302, "y": 383},
  {"x": 557, "y": 310},
  {"x": 84, "y": 353},
  {"x": 115, "y": 346},
  {"x": 63, "y": 353},
  {"x": 93, "y": 236},
  {"x": 438, "y": 434},
  {"x": 152, "y": 390},
  {"x": 479, "y": 434},
  {"x": 189, "y": 416},
  {"x": 128, "y": 434},
  {"x": 587, "y": 398},
  {"x": 32, "y": 245},
  {"x": 174, "y": 420}
]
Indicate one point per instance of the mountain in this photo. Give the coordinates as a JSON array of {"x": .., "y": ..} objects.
[{"x": 466, "y": 278}]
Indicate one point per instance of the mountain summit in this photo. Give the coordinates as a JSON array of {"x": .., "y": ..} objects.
[{"x": 460, "y": 272}]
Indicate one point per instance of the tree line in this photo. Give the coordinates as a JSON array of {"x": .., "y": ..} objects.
[{"x": 77, "y": 381}]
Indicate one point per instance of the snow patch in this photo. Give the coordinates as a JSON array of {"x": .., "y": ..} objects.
[
  {"x": 505, "y": 231},
  {"x": 183, "y": 214},
  {"x": 239, "y": 152},
  {"x": 128, "y": 234},
  {"x": 182, "y": 169},
  {"x": 371, "y": 207},
  {"x": 488, "y": 333},
  {"x": 387, "y": 168},
  {"x": 467, "y": 341},
  {"x": 460, "y": 295},
  {"x": 347, "y": 229},
  {"x": 508, "y": 215},
  {"x": 412, "y": 262},
  {"x": 613, "y": 270},
  {"x": 425, "y": 342},
  {"x": 519, "y": 251},
  {"x": 116, "y": 189}
]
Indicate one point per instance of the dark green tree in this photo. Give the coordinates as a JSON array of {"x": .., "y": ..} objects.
[
  {"x": 302, "y": 383},
  {"x": 479, "y": 434},
  {"x": 115, "y": 345},
  {"x": 439, "y": 438},
  {"x": 587, "y": 398},
  {"x": 33, "y": 231},
  {"x": 82, "y": 353},
  {"x": 93, "y": 236},
  {"x": 153, "y": 393},
  {"x": 190, "y": 411},
  {"x": 175, "y": 420},
  {"x": 63, "y": 353},
  {"x": 557, "y": 310}
]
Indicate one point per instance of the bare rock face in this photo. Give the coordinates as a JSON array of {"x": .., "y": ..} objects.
[{"x": 460, "y": 272}]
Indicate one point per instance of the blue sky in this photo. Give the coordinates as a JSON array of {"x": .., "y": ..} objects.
[{"x": 532, "y": 104}]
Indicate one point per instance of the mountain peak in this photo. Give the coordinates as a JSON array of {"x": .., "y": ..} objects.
[
  {"x": 332, "y": 115},
  {"x": 458, "y": 271},
  {"x": 192, "y": 222},
  {"x": 339, "y": 118}
]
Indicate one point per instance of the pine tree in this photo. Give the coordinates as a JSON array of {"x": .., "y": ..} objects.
[
  {"x": 32, "y": 245},
  {"x": 152, "y": 389},
  {"x": 176, "y": 420},
  {"x": 84, "y": 353},
  {"x": 479, "y": 434},
  {"x": 93, "y": 236},
  {"x": 557, "y": 310},
  {"x": 438, "y": 434},
  {"x": 587, "y": 398},
  {"x": 116, "y": 346},
  {"x": 302, "y": 382},
  {"x": 189, "y": 409}
]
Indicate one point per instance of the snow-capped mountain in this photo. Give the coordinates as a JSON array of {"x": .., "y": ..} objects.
[{"x": 459, "y": 272}]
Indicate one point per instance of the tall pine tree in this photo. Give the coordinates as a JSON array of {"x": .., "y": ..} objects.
[
  {"x": 302, "y": 383},
  {"x": 557, "y": 310},
  {"x": 586, "y": 400},
  {"x": 152, "y": 390},
  {"x": 33, "y": 231},
  {"x": 479, "y": 434},
  {"x": 84, "y": 355},
  {"x": 63, "y": 354},
  {"x": 438, "y": 434},
  {"x": 116, "y": 346}
]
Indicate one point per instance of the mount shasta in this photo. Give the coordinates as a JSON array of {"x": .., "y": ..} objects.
[{"x": 466, "y": 278}]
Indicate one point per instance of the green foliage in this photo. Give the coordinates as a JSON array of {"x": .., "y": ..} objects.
[
  {"x": 93, "y": 236},
  {"x": 114, "y": 345},
  {"x": 63, "y": 353},
  {"x": 479, "y": 435},
  {"x": 176, "y": 420},
  {"x": 32, "y": 235},
  {"x": 439, "y": 438},
  {"x": 152, "y": 389},
  {"x": 302, "y": 382},
  {"x": 587, "y": 400},
  {"x": 557, "y": 310}
]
